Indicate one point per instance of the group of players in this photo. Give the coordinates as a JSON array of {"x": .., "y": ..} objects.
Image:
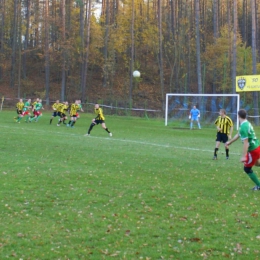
[
  {"x": 23, "y": 110},
  {"x": 60, "y": 110},
  {"x": 251, "y": 146}
]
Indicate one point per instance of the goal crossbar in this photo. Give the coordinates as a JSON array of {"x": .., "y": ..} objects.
[{"x": 199, "y": 95}]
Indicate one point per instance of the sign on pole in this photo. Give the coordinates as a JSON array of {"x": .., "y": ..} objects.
[{"x": 248, "y": 83}]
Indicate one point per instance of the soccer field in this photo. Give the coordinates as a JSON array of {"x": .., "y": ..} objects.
[{"x": 148, "y": 192}]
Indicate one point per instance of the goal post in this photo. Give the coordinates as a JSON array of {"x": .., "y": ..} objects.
[{"x": 184, "y": 106}]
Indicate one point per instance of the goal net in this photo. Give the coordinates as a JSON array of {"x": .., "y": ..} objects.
[{"x": 178, "y": 108}]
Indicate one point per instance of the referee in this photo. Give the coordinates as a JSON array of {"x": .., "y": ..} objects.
[{"x": 225, "y": 128}]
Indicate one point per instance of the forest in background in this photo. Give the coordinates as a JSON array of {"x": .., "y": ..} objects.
[{"x": 60, "y": 49}]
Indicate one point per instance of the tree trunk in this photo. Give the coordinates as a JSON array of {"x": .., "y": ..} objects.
[
  {"x": 82, "y": 46},
  {"x": 47, "y": 54},
  {"x": 254, "y": 55},
  {"x": 26, "y": 37},
  {"x": 216, "y": 33},
  {"x": 197, "y": 22},
  {"x": 161, "y": 52},
  {"x": 36, "y": 22},
  {"x": 132, "y": 53},
  {"x": 63, "y": 72},
  {"x": 2, "y": 13},
  {"x": 14, "y": 43},
  {"x": 85, "y": 64},
  {"x": 105, "y": 76}
]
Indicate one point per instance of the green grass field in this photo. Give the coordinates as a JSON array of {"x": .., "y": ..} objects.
[{"x": 148, "y": 192}]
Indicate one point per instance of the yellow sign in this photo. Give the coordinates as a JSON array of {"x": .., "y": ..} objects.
[
  {"x": 3, "y": 98},
  {"x": 248, "y": 83}
]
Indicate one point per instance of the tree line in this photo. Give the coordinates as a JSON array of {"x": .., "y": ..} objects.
[{"x": 182, "y": 46}]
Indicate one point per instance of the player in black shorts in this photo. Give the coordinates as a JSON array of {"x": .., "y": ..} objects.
[
  {"x": 99, "y": 119},
  {"x": 225, "y": 128}
]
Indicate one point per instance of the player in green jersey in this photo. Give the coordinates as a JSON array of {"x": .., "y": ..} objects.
[
  {"x": 37, "y": 111},
  {"x": 80, "y": 109},
  {"x": 100, "y": 119},
  {"x": 251, "y": 148}
]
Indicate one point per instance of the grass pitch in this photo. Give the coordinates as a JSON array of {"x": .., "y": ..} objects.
[{"x": 148, "y": 192}]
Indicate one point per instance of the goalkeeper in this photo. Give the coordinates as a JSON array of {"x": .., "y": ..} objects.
[{"x": 194, "y": 115}]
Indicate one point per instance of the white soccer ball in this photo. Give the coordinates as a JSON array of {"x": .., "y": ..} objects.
[{"x": 136, "y": 74}]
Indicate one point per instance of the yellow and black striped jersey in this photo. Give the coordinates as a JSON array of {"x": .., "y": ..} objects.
[
  {"x": 64, "y": 108},
  {"x": 99, "y": 113},
  {"x": 225, "y": 123},
  {"x": 73, "y": 109},
  {"x": 55, "y": 106},
  {"x": 20, "y": 105},
  {"x": 34, "y": 104},
  {"x": 59, "y": 107}
]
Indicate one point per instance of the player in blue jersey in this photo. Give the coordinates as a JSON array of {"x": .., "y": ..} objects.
[{"x": 194, "y": 116}]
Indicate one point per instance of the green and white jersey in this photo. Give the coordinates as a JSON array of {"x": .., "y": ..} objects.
[
  {"x": 80, "y": 107},
  {"x": 246, "y": 131},
  {"x": 26, "y": 106},
  {"x": 38, "y": 106}
]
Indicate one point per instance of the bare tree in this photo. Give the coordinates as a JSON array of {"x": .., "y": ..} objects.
[
  {"x": 14, "y": 43},
  {"x": 132, "y": 52},
  {"x": 197, "y": 22},
  {"x": 26, "y": 36},
  {"x": 107, "y": 24},
  {"x": 254, "y": 55},
  {"x": 85, "y": 62},
  {"x": 63, "y": 72},
  {"x": 47, "y": 53},
  {"x": 161, "y": 50},
  {"x": 2, "y": 15}
]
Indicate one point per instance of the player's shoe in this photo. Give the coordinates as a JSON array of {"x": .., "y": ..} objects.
[
  {"x": 110, "y": 134},
  {"x": 256, "y": 188},
  {"x": 227, "y": 157},
  {"x": 214, "y": 158},
  {"x": 58, "y": 125},
  {"x": 68, "y": 125},
  {"x": 87, "y": 135}
]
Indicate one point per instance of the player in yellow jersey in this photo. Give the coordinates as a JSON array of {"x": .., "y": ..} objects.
[
  {"x": 63, "y": 115},
  {"x": 99, "y": 119},
  {"x": 224, "y": 132},
  {"x": 73, "y": 114},
  {"x": 34, "y": 104},
  {"x": 19, "y": 108},
  {"x": 55, "y": 112}
]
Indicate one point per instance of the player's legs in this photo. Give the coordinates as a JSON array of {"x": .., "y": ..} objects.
[
  {"x": 70, "y": 122},
  {"x": 39, "y": 115},
  {"x": 191, "y": 123},
  {"x": 93, "y": 123},
  {"x": 19, "y": 118},
  {"x": 216, "y": 150},
  {"x": 104, "y": 127},
  {"x": 73, "y": 121},
  {"x": 53, "y": 115},
  {"x": 198, "y": 122},
  {"x": 252, "y": 158}
]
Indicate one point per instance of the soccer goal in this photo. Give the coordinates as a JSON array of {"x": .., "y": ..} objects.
[{"x": 178, "y": 107}]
